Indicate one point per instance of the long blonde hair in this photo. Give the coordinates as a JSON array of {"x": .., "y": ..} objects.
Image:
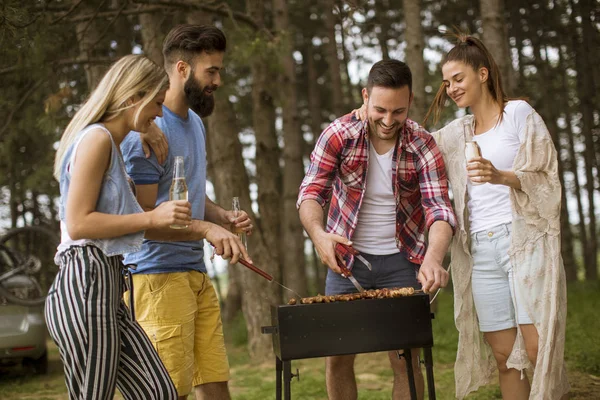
[{"x": 132, "y": 75}]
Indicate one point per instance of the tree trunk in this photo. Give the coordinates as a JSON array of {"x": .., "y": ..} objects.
[
  {"x": 314, "y": 100},
  {"x": 351, "y": 93},
  {"x": 232, "y": 304},
  {"x": 414, "y": 57},
  {"x": 268, "y": 178},
  {"x": 268, "y": 173},
  {"x": 567, "y": 251},
  {"x": 123, "y": 32},
  {"x": 14, "y": 198},
  {"x": 549, "y": 113},
  {"x": 495, "y": 37},
  {"x": 331, "y": 55},
  {"x": 585, "y": 89},
  {"x": 229, "y": 179},
  {"x": 573, "y": 160},
  {"x": 589, "y": 35},
  {"x": 24, "y": 210},
  {"x": 90, "y": 43},
  {"x": 36, "y": 215},
  {"x": 517, "y": 31},
  {"x": 316, "y": 120},
  {"x": 294, "y": 264},
  {"x": 265, "y": 247},
  {"x": 381, "y": 8},
  {"x": 152, "y": 36}
]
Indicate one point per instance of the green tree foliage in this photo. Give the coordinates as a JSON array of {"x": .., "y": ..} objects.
[{"x": 44, "y": 79}]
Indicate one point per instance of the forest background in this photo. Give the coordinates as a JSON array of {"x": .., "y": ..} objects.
[{"x": 293, "y": 66}]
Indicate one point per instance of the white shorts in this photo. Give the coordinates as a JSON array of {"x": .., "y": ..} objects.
[{"x": 493, "y": 289}]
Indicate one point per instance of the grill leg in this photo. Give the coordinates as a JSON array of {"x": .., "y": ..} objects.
[
  {"x": 410, "y": 373},
  {"x": 287, "y": 380},
  {"x": 278, "y": 377},
  {"x": 429, "y": 369}
]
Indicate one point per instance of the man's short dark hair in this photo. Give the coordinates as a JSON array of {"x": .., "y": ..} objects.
[
  {"x": 392, "y": 74},
  {"x": 186, "y": 41}
]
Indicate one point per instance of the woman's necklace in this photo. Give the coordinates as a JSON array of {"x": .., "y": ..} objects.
[{"x": 494, "y": 119}]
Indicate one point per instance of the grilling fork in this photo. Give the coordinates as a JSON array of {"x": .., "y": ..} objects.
[
  {"x": 357, "y": 254},
  {"x": 346, "y": 272}
]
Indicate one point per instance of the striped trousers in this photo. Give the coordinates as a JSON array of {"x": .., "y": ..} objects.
[{"x": 100, "y": 346}]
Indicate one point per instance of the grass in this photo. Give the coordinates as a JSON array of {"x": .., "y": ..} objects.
[
  {"x": 257, "y": 381},
  {"x": 583, "y": 327}
]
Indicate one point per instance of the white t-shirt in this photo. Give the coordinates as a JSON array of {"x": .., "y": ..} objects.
[
  {"x": 489, "y": 205},
  {"x": 376, "y": 227}
]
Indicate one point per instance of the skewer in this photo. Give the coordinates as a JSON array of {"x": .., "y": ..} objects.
[
  {"x": 368, "y": 294},
  {"x": 262, "y": 273},
  {"x": 256, "y": 269},
  {"x": 265, "y": 275}
]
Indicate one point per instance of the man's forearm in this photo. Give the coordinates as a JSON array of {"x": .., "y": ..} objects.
[
  {"x": 440, "y": 235},
  {"x": 195, "y": 232},
  {"x": 213, "y": 212},
  {"x": 311, "y": 217}
]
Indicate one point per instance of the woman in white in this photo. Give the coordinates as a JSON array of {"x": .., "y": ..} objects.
[{"x": 507, "y": 271}]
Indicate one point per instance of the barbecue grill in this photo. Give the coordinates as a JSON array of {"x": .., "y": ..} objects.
[{"x": 350, "y": 327}]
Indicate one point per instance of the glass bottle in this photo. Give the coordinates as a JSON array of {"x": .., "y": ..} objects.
[
  {"x": 235, "y": 206},
  {"x": 472, "y": 150},
  {"x": 179, "y": 190}
]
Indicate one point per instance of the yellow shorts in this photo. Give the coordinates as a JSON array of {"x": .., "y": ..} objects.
[{"x": 180, "y": 313}]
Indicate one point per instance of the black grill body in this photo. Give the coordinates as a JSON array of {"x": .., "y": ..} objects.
[{"x": 351, "y": 327}]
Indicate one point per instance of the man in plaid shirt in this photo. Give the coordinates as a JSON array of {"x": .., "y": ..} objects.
[{"x": 389, "y": 185}]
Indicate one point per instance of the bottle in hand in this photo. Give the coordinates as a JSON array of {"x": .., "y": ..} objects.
[
  {"x": 235, "y": 206},
  {"x": 472, "y": 150},
  {"x": 179, "y": 190}
]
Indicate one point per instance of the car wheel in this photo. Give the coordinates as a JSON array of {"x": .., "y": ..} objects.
[{"x": 39, "y": 365}]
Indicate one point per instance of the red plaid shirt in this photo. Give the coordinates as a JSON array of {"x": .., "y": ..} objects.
[{"x": 339, "y": 162}]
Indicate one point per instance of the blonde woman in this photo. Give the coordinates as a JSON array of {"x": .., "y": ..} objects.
[{"x": 100, "y": 345}]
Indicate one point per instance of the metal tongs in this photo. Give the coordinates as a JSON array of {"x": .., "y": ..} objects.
[{"x": 345, "y": 271}]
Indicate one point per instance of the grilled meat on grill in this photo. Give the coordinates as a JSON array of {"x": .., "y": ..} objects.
[{"x": 368, "y": 294}]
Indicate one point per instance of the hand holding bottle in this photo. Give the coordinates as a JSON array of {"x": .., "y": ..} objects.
[
  {"x": 472, "y": 153},
  {"x": 170, "y": 213},
  {"x": 238, "y": 230},
  {"x": 179, "y": 190}
]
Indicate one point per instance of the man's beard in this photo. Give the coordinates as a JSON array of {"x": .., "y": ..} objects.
[{"x": 203, "y": 104}]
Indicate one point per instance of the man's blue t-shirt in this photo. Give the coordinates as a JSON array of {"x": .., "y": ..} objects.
[{"x": 186, "y": 138}]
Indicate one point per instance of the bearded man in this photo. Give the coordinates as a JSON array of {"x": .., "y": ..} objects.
[{"x": 174, "y": 300}]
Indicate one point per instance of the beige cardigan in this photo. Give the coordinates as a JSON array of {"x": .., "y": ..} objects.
[{"x": 535, "y": 257}]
